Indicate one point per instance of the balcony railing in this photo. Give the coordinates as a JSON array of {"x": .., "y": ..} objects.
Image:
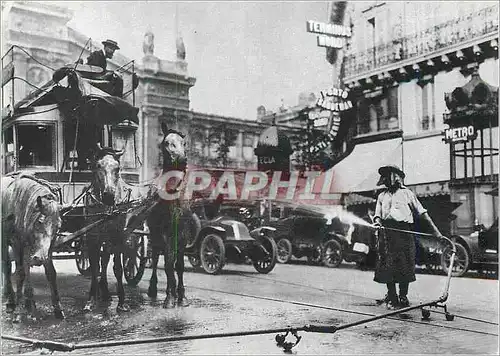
[{"x": 432, "y": 39}]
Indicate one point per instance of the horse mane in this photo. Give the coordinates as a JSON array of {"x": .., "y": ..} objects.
[
  {"x": 172, "y": 131},
  {"x": 54, "y": 189},
  {"x": 104, "y": 151},
  {"x": 19, "y": 199}
]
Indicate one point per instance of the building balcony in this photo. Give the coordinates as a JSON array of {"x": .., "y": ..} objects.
[{"x": 440, "y": 37}]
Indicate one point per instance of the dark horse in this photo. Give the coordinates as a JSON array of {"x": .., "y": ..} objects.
[
  {"x": 169, "y": 223},
  {"x": 105, "y": 193},
  {"x": 30, "y": 221}
]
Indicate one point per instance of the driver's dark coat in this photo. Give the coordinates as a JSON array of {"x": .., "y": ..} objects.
[{"x": 97, "y": 58}]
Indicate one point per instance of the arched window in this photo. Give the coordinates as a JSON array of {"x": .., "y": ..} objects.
[{"x": 248, "y": 146}]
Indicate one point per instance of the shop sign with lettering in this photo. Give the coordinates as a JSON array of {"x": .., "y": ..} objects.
[
  {"x": 459, "y": 134},
  {"x": 327, "y": 100},
  {"x": 329, "y": 35}
]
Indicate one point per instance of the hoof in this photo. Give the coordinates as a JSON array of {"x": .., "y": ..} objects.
[
  {"x": 59, "y": 314},
  {"x": 152, "y": 292},
  {"x": 168, "y": 303},
  {"x": 183, "y": 302},
  {"x": 88, "y": 307},
  {"x": 122, "y": 308}
]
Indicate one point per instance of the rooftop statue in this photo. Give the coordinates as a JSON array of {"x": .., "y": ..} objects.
[
  {"x": 148, "y": 46},
  {"x": 181, "y": 49}
]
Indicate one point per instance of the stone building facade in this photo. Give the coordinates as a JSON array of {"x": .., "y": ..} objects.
[
  {"x": 37, "y": 40},
  {"x": 402, "y": 58}
]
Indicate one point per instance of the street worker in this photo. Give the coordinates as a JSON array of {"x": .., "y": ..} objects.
[{"x": 397, "y": 207}]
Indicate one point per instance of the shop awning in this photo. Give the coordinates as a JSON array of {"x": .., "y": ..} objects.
[
  {"x": 358, "y": 199},
  {"x": 430, "y": 189},
  {"x": 358, "y": 172}
]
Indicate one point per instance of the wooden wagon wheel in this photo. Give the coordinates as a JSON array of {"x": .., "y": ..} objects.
[
  {"x": 82, "y": 257},
  {"x": 134, "y": 262}
]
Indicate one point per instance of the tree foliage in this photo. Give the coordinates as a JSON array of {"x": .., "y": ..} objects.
[{"x": 223, "y": 138}]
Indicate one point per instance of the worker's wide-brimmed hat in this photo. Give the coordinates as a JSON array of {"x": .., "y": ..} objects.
[
  {"x": 384, "y": 170},
  {"x": 111, "y": 43}
]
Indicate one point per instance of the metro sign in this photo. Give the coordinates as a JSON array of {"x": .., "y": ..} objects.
[{"x": 459, "y": 134}]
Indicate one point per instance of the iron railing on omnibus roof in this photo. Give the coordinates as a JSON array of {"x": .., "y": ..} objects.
[{"x": 8, "y": 74}]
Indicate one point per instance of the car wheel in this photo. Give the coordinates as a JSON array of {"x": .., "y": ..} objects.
[
  {"x": 284, "y": 250},
  {"x": 267, "y": 263},
  {"x": 461, "y": 261},
  {"x": 332, "y": 254},
  {"x": 212, "y": 253}
]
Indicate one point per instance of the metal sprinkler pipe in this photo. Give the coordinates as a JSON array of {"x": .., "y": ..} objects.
[{"x": 445, "y": 294}]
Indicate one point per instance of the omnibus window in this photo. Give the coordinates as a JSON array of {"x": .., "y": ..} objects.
[
  {"x": 9, "y": 140},
  {"x": 35, "y": 145},
  {"x": 9, "y": 164}
]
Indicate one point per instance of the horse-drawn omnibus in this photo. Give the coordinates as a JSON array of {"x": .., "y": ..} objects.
[
  {"x": 56, "y": 134},
  {"x": 52, "y": 131}
]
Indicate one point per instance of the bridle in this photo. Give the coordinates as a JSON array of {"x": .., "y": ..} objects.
[{"x": 95, "y": 191}]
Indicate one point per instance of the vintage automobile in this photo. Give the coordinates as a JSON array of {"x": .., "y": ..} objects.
[
  {"x": 308, "y": 232},
  {"x": 224, "y": 239},
  {"x": 478, "y": 251}
]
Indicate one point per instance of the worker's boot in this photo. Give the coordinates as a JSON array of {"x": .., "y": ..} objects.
[
  {"x": 403, "y": 292},
  {"x": 393, "y": 301}
]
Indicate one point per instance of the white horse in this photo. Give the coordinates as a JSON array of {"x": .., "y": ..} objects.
[{"x": 30, "y": 221}]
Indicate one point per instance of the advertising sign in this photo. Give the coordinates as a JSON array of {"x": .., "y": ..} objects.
[
  {"x": 326, "y": 115},
  {"x": 329, "y": 35}
]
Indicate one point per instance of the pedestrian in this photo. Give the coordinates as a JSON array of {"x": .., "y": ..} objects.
[{"x": 397, "y": 207}]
